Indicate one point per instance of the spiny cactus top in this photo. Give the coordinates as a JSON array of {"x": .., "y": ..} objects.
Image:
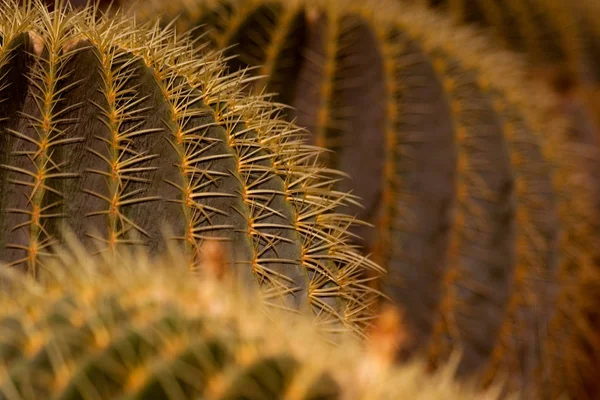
[
  {"x": 145, "y": 330},
  {"x": 116, "y": 131},
  {"x": 484, "y": 220}
]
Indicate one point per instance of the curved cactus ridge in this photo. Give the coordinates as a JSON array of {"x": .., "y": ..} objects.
[
  {"x": 145, "y": 330},
  {"x": 486, "y": 244},
  {"x": 115, "y": 131}
]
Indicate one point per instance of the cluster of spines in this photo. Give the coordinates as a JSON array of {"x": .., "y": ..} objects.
[
  {"x": 118, "y": 122},
  {"x": 90, "y": 330},
  {"x": 324, "y": 80},
  {"x": 514, "y": 198}
]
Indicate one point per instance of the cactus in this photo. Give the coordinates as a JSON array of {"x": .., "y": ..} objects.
[
  {"x": 560, "y": 40},
  {"x": 478, "y": 211},
  {"x": 549, "y": 32},
  {"x": 115, "y": 131},
  {"x": 127, "y": 326}
]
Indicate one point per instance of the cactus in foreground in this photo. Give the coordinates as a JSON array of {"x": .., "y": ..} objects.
[
  {"x": 115, "y": 131},
  {"x": 130, "y": 327},
  {"x": 485, "y": 222}
]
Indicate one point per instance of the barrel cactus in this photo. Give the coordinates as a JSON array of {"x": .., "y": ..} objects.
[
  {"x": 146, "y": 330},
  {"x": 485, "y": 220},
  {"x": 124, "y": 135}
]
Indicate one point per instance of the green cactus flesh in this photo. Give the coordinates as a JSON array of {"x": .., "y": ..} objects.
[{"x": 116, "y": 132}]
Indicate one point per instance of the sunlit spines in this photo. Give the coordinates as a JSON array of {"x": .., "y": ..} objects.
[
  {"x": 325, "y": 241},
  {"x": 46, "y": 76},
  {"x": 315, "y": 67},
  {"x": 15, "y": 63},
  {"x": 332, "y": 266},
  {"x": 478, "y": 61},
  {"x": 168, "y": 137}
]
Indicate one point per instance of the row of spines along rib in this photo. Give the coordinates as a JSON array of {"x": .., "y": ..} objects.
[
  {"x": 471, "y": 199},
  {"x": 147, "y": 330},
  {"x": 117, "y": 132}
]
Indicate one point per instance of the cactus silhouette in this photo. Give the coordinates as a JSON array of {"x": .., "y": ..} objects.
[
  {"x": 483, "y": 209},
  {"x": 114, "y": 131}
]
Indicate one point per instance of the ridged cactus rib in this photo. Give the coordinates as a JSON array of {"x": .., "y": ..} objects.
[
  {"x": 145, "y": 330},
  {"x": 418, "y": 106},
  {"x": 479, "y": 261},
  {"x": 348, "y": 100},
  {"x": 558, "y": 23},
  {"x": 310, "y": 60},
  {"x": 535, "y": 238},
  {"x": 116, "y": 132}
]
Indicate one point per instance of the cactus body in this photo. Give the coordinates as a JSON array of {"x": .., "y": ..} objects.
[
  {"x": 559, "y": 39},
  {"x": 145, "y": 330},
  {"x": 475, "y": 173},
  {"x": 116, "y": 132}
]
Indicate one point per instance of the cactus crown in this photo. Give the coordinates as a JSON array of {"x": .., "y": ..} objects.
[{"x": 112, "y": 130}]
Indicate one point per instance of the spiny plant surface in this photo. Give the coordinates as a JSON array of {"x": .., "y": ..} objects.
[
  {"x": 559, "y": 38},
  {"x": 115, "y": 131},
  {"x": 127, "y": 327},
  {"x": 483, "y": 210}
]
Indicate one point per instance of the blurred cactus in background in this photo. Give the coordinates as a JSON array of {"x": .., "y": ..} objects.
[{"x": 560, "y": 40}]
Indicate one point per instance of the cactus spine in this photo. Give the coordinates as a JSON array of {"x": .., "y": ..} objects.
[
  {"x": 114, "y": 130},
  {"x": 477, "y": 174}
]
